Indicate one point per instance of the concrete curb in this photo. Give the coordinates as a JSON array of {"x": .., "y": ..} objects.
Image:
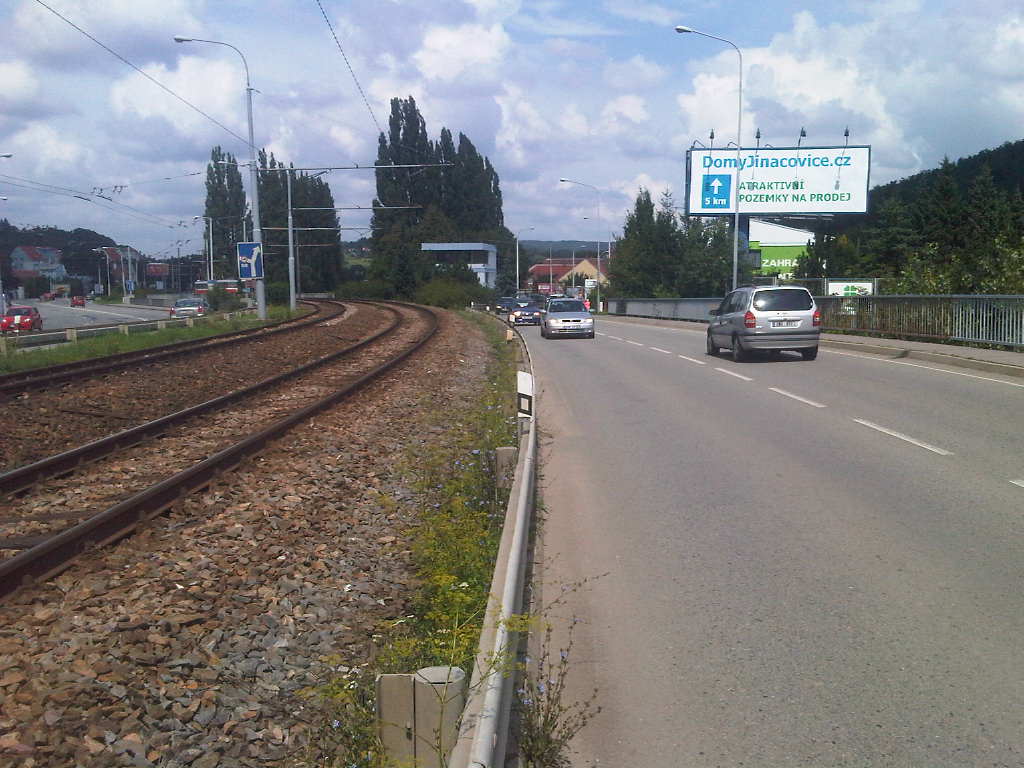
[{"x": 941, "y": 358}]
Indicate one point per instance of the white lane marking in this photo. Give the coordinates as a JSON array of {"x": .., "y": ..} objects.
[
  {"x": 634, "y": 343},
  {"x": 1018, "y": 482},
  {"x": 926, "y": 367},
  {"x": 601, "y": 334},
  {"x": 907, "y": 438},
  {"x": 797, "y": 397},
  {"x": 615, "y": 337},
  {"x": 658, "y": 349},
  {"x": 94, "y": 311},
  {"x": 670, "y": 329},
  {"x": 692, "y": 359},
  {"x": 737, "y": 375}
]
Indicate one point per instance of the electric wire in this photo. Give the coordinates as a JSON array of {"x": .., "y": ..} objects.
[
  {"x": 153, "y": 80},
  {"x": 349, "y": 65}
]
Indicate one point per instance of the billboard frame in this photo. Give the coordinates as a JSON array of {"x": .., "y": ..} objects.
[{"x": 756, "y": 149}]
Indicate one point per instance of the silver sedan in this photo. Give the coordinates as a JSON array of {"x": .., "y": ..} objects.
[{"x": 566, "y": 317}]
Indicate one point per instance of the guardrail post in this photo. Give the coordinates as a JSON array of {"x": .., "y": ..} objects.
[
  {"x": 190, "y": 322},
  {"x": 71, "y": 334},
  {"x": 3, "y": 346},
  {"x": 123, "y": 330},
  {"x": 418, "y": 715},
  {"x": 161, "y": 324}
]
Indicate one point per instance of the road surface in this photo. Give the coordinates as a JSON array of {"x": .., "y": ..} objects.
[
  {"x": 59, "y": 314},
  {"x": 808, "y": 563}
]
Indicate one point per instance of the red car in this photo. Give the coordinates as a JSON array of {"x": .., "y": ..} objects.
[
  {"x": 78, "y": 301},
  {"x": 20, "y": 318}
]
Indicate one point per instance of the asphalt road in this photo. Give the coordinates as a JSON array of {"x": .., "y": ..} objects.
[
  {"x": 811, "y": 563},
  {"x": 59, "y": 314}
]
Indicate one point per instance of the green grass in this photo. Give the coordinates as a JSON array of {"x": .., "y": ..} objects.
[
  {"x": 454, "y": 544},
  {"x": 114, "y": 343}
]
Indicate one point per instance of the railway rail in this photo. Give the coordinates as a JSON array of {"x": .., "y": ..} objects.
[
  {"x": 58, "y": 550},
  {"x": 40, "y": 378}
]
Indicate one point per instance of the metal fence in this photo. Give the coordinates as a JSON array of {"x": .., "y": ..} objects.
[{"x": 979, "y": 319}]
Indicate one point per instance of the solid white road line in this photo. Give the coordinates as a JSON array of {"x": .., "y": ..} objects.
[
  {"x": 797, "y": 397},
  {"x": 634, "y": 343},
  {"x": 1018, "y": 482},
  {"x": 737, "y": 375},
  {"x": 692, "y": 359},
  {"x": 907, "y": 438},
  {"x": 658, "y": 349},
  {"x": 601, "y": 334},
  {"x": 926, "y": 367}
]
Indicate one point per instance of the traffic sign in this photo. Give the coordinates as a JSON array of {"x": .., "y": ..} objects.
[
  {"x": 717, "y": 190},
  {"x": 250, "y": 261}
]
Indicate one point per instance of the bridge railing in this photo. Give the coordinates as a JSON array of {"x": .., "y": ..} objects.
[{"x": 979, "y": 319}]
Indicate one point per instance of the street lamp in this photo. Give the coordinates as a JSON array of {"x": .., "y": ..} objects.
[
  {"x": 209, "y": 247},
  {"x": 257, "y": 234},
  {"x": 292, "y": 299},
  {"x": 739, "y": 128},
  {"x": 526, "y": 229},
  {"x": 598, "y": 191}
]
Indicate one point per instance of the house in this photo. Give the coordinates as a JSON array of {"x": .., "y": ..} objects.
[
  {"x": 550, "y": 275},
  {"x": 29, "y": 261}
]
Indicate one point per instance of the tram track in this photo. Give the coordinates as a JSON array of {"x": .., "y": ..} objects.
[{"x": 164, "y": 483}]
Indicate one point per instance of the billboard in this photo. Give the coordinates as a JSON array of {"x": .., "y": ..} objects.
[
  {"x": 157, "y": 269},
  {"x": 778, "y": 180}
]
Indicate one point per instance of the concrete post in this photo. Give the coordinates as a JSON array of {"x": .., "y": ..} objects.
[
  {"x": 161, "y": 324},
  {"x": 71, "y": 334},
  {"x": 190, "y": 322},
  {"x": 3, "y": 346},
  {"x": 123, "y": 329},
  {"x": 440, "y": 697}
]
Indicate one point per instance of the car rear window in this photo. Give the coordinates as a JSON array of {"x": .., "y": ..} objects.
[
  {"x": 787, "y": 299},
  {"x": 15, "y": 311}
]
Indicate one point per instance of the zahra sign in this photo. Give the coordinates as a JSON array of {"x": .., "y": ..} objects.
[{"x": 787, "y": 180}]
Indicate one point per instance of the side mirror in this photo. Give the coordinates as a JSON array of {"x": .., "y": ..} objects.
[{"x": 714, "y": 312}]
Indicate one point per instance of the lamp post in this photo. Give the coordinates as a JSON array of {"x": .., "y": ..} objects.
[
  {"x": 526, "y": 229},
  {"x": 739, "y": 128},
  {"x": 209, "y": 248},
  {"x": 257, "y": 234},
  {"x": 598, "y": 191}
]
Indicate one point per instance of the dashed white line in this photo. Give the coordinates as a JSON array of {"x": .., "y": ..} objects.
[
  {"x": 615, "y": 337},
  {"x": 634, "y": 343},
  {"x": 692, "y": 359},
  {"x": 907, "y": 438},
  {"x": 1018, "y": 482},
  {"x": 737, "y": 375},
  {"x": 659, "y": 349},
  {"x": 602, "y": 334},
  {"x": 926, "y": 367},
  {"x": 797, "y": 397}
]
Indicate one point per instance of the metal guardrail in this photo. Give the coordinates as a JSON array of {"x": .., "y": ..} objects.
[{"x": 978, "y": 319}]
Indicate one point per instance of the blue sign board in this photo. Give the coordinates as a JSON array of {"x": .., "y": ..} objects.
[
  {"x": 250, "y": 261},
  {"x": 129, "y": 286},
  {"x": 716, "y": 190}
]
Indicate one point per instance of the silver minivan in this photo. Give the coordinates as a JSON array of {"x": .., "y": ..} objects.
[{"x": 770, "y": 318}]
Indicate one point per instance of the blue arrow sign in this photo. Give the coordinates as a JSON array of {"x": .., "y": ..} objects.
[
  {"x": 716, "y": 190},
  {"x": 250, "y": 261}
]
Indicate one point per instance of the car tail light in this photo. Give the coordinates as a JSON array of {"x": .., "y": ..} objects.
[
  {"x": 749, "y": 320},
  {"x": 816, "y": 320}
]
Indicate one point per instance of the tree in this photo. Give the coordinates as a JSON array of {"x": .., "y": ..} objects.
[{"x": 226, "y": 209}]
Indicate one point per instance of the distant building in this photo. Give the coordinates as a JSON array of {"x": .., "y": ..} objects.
[
  {"x": 552, "y": 275},
  {"x": 29, "y": 261},
  {"x": 481, "y": 258}
]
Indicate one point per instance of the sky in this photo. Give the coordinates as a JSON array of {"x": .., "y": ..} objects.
[{"x": 603, "y": 92}]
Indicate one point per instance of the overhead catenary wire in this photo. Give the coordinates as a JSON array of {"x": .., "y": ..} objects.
[
  {"x": 349, "y": 65},
  {"x": 152, "y": 79}
]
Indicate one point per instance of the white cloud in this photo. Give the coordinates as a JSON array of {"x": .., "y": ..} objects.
[
  {"x": 638, "y": 10},
  {"x": 50, "y": 151},
  {"x": 521, "y": 124},
  {"x": 626, "y": 109},
  {"x": 214, "y": 86},
  {"x": 491, "y": 11},
  {"x": 470, "y": 51},
  {"x": 634, "y": 73},
  {"x": 19, "y": 83},
  {"x": 574, "y": 122}
]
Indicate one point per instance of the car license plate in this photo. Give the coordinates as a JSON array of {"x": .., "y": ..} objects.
[{"x": 785, "y": 323}]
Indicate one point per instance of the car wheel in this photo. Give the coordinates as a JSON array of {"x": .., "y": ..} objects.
[
  {"x": 712, "y": 347},
  {"x": 809, "y": 354},
  {"x": 739, "y": 354},
  {"x": 592, "y": 334},
  {"x": 543, "y": 333}
]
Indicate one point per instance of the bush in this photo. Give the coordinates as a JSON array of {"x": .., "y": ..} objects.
[
  {"x": 365, "y": 289},
  {"x": 222, "y": 301},
  {"x": 450, "y": 293}
]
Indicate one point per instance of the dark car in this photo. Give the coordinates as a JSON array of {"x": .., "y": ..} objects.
[
  {"x": 20, "y": 318},
  {"x": 527, "y": 314},
  {"x": 504, "y": 305}
]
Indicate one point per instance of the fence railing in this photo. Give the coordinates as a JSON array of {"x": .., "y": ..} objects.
[{"x": 978, "y": 319}]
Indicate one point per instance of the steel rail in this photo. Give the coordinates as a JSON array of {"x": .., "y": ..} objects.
[
  {"x": 57, "y": 553},
  {"x": 12, "y": 383},
  {"x": 27, "y": 475}
]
